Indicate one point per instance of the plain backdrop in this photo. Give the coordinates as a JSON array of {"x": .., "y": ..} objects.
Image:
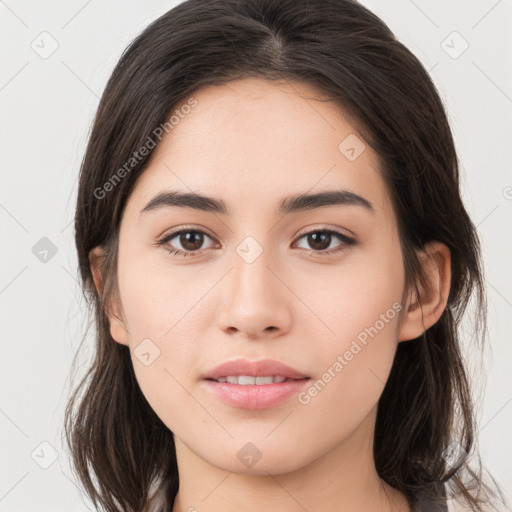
[{"x": 56, "y": 58}]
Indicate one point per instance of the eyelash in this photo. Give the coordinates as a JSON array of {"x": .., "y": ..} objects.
[{"x": 347, "y": 241}]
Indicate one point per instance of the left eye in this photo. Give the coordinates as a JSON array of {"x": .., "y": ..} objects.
[
  {"x": 321, "y": 239},
  {"x": 191, "y": 241}
]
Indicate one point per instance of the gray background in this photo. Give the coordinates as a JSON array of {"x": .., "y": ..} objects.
[{"x": 47, "y": 103}]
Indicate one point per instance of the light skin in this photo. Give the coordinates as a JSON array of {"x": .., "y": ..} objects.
[{"x": 252, "y": 143}]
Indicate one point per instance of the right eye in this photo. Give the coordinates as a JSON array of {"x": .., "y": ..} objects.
[{"x": 190, "y": 240}]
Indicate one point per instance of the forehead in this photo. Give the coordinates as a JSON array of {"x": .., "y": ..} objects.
[{"x": 251, "y": 141}]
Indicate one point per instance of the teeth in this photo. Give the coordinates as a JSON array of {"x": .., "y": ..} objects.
[{"x": 248, "y": 380}]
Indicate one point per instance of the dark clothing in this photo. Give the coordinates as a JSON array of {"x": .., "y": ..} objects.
[{"x": 423, "y": 503}]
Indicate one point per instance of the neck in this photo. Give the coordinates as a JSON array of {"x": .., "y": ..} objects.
[{"x": 344, "y": 478}]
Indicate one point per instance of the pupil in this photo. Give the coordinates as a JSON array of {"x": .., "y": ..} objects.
[
  {"x": 314, "y": 240},
  {"x": 191, "y": 240}
]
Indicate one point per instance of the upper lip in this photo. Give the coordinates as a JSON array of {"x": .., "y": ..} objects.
[{"x": 262, "y": 368}]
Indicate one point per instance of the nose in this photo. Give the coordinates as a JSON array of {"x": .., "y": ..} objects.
[{"x": 256, "y": 301}]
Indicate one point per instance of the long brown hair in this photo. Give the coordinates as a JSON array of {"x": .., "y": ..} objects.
[{"x": 119, "y": 446}]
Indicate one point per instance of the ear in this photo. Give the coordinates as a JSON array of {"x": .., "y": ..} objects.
[
  {"x": 425, "y": 306},
  {"x": 118, "y": 329}
]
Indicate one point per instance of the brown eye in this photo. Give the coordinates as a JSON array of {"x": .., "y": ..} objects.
[
  {"x": 188, "y": 241},
  {"x": 191, "y": 240},
  {"x": 320, "y": 241}
]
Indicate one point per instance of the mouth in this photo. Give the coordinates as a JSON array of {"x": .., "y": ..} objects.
[
  {"x": 253, "y": 372},
  {"x": 261, "y": 384},
  {"x": 250, "y": 380},
  {"x": 255, "y": 393}
]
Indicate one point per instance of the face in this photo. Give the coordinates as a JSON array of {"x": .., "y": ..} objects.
[{"x": 315, "y": 285}]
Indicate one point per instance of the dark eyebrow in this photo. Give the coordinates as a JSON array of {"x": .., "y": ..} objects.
[
  {"x": 303, "y": 202},
  {"x": 300, "y": 202}
]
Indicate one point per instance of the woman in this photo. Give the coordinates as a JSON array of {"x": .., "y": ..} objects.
[{"x": 270, "y": 229}]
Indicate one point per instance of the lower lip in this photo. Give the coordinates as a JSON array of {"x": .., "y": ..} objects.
[{"x": 255, "y": 396}]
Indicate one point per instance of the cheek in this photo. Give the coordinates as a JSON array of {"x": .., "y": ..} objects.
[
  {"x": 363, "y": 293},
  {"x": 158, "y": 299},
  {"x": 164, "y": 312},
  {"x": 360, "y": 326}
]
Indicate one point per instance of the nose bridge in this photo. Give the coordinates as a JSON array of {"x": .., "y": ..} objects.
[
  {"x": 251, "y": 275},
  {"x": 254, "y": 300}
]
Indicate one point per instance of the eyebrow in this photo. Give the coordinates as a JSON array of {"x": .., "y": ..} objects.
[{"x": 290, "y": 204}]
